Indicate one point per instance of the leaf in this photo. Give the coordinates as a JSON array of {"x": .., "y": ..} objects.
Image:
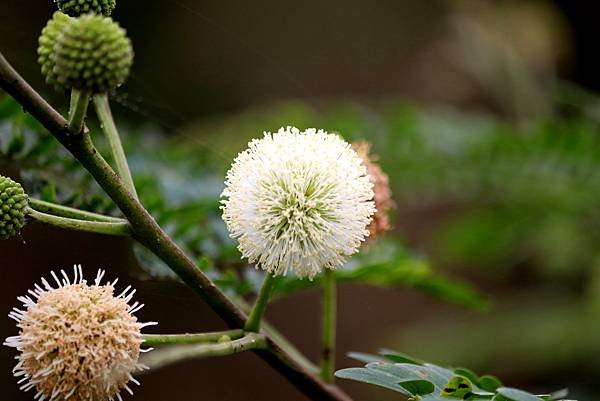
[
  {"x": 418, "y": 387},
  {"x": 489, "y": 383},
  {"x": 468, "y": 373},
  {"x": 458, "y": 387},
  {"x": 512, "y": 394},
  {"x": 399, "y": 357},
  {"x": 559, "y": 394},
  {"x": 432, "y": 382},
  {"x": 366, "y": 358},
  {"x": 370, "y": 376}
]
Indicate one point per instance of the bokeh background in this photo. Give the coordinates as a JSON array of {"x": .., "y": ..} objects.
[{"x": 483, "y": 114}]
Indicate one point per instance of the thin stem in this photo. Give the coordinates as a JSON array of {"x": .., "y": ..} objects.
[
  {"x": 329, "y": 325},
  {"x": 191, "y": 338},
  {"x": 65, "y": 211},
  {"x": 98, "y": 227},
  {"x": 260, "y": 305},
  {"x": 178, "y": 353},
  {"x": 112, "y": 134},
  {"x": 78, "y": 110},
  {"x": 148, "y": 232},
  {"x": 281, "y": 341}
]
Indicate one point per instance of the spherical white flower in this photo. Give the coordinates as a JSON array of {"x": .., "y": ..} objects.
[
  {"x": 77, "y": 342},
  {"x": 298, "y": 201}
]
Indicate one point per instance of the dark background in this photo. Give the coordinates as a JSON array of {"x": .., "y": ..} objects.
[{"x": 198, "y": 60}]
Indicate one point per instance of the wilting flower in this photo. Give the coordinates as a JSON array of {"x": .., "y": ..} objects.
[
  {"x": 298, "y": 201},
  {"x": 77, "y": 341},
  {"x": 381, "y": 187}
]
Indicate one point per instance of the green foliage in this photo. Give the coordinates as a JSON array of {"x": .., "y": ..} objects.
[
  {"x": 386, "y": 264},
  {"x": 428, "y": 382},
  {"x": 180, "y": 184}
]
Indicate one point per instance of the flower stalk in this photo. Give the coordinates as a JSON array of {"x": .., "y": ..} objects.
[
  {"x": 78, "y": 110},
  {"x": 98, "y": 227},
  {"x": 178, "y": 353},
  {"x": 153, "y": 340},
  {"x": 65, "y": 211},
  {"x": 112, "y": 134},
  {"x": 260, "y": 305},
  {"x": 328, "y": 326}
]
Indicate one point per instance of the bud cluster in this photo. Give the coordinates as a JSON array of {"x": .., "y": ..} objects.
[
  {"x": 76, "y": 8},
  {"x": 13, "y": 202},
  {"x": 82, "y": 48}
]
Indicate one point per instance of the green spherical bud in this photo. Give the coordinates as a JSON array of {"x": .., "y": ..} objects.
[
  {"x": 92, "y": 54},
  {"x": 75, "y": 8},
  {"x": 13, "y": 202},
  {"x": 47, "y": 41}
]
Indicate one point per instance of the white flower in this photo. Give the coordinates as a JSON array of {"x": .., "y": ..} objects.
[
  {"x": 77, "y": 341},
  {"x": 298, "y": 201}
]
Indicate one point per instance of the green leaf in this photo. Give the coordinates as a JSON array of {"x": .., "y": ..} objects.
[
  {"x": 489, "y": 383},
  {"x": 399, "y": 357},
  {"x": 418, "y": 387},
  {"x": 458, "y": 387},
  {"x": 468, "y": 373},
  {"x": 370, "y": 376},
  {"x": 366, "y": 358},
  {"x": 512, "y": 394}
]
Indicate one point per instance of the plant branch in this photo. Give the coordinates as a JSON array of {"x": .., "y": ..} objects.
[
  {"x": 189, "y": 338},
  {"x": 178, "y": 353},
  {"x": 148, "y": 232},
  {"x": 65, "y": 211},
  {"x": 329, "y": 325},
  {"x": 112, "y": 134},
  {"x": 98, "y": 227},
  {"x": 260, "y": 305},
  {"x": 280, "y": 339},
  {"x": 78, "y": 110}
]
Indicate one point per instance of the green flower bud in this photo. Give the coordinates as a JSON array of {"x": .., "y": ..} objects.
[
  {"x": 75, "y": 8},
  {"x": 92, "y": 54},
  {"x": 13, "y": 202},
  {"x": 46, "y": 47}
]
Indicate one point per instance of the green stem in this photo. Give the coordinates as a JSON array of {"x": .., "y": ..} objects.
[
  {"x": 98, "y": 227},
  {"x": 65, "y": 211},
  {"x": 112, "y": 134},
  {"x": 159, "y": 358},
  {"x": 280, "y": 340},
  {"x": 148, "y": 232},
  {"x": 188, "y": 338},
  {"x": 260, "y": 305},
  {"x": 329, "y": 324},
  {"x": 78, "y": 110}
]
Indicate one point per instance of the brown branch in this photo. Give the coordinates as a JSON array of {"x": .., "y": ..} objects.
[{"x": 148, "y": 232}]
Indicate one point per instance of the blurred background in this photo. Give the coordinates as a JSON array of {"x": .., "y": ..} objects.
[{"x": 483, "y": 114}]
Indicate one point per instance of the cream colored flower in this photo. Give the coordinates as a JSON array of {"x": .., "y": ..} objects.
[
  {"x": 77, "y": 342},
  {"x": 298, "y": 201}
]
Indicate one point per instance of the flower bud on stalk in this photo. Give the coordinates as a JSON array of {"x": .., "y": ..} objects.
[
  {"x": 45, "y": 50},
  {"x": 13, "y": 204},
  {"x": 92, "y": 54},
  {"x": 75, "y": 8}
]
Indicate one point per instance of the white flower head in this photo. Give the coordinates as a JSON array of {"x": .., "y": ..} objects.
[
  {"x": 77, "y": 342},
  {"x": 298, "y": 201}
]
